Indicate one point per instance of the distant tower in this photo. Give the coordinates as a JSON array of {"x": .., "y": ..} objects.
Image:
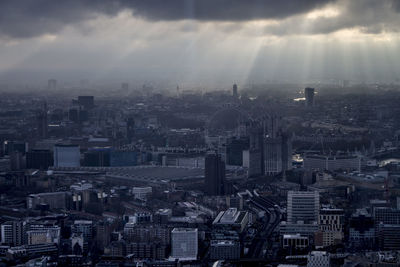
[
  {"x": 177, "y": 91},
  {"x": 235, "y": 91},
  {"x": 125, "y": 86},
  {"x": 52, "y": 84},
  {"x": 214, "y": 174},
  {"x": 309, "y": 94},
  {"x": 42, "y": 125},
  {"x": 130, "y": 129}
]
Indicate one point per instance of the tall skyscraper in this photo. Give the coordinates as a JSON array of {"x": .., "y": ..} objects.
[
  {"x": 256, "y": 150},
  {"x": 235, "y": 91},
  {"x": 214, "y": 174},
  {"x": 42, "y": 124},
  {"x": 125, "y": 86},
  {"x": 309, "y": 95},
  {"x": 52, "y": 84},
  {"x": 277, "y": 146},
  {"x": 184, "y": 243},
  {"x": 86, "y": 101},
  {"x": 302, "y": 206}
]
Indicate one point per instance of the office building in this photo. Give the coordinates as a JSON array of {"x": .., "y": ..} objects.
[
  {"x": 318, "y": 259},
  {"x": 295, "y": 242},
  {"x": 12, "y": 233},
  {"x": 55, "y": 200},
  {"x": 97, "y": 157},
  {"x": 43, "y": 234},
  {"x": 389, "y": 236},
  {"x": 121, "y": 158},
  {"x": 332, "y": 163},
  {"x": 309, "y": 95},
  {"x": 309, "y": 229},
  {"x": 214, "y": 174},
  {"x": 231, "y": 219},
  {"x": 234, "y": 150},
  {"x": 361, "y": 229},
  {"x": 255, "y": 158},
  {"x": 40, "y": 159},
  {"x": 67, "y": 156},
  {"x": 85, "y": 228},
  {"x": 331, "y": 226},
  {"x": 224, "y": 250},
  {"x": 302, "y": 206},
  {"x": 278, "y": 154},
  {"x": 235, "y": 201},
  {"x": 386, "y": 215},
  {"x": 184, "y": 244}
]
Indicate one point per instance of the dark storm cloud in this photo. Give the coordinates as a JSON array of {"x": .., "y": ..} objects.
[{"x": 29, "y": 18}]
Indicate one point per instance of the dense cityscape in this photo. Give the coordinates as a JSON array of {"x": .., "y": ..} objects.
[
  {"x": 264, "y": 175},
  {"x": 200, "y": 133}
]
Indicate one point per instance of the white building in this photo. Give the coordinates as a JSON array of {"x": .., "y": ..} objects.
[
  {"x": 184, "y": 243},
  {"x": 318, "y": 259},
  {"x": 302, "y": 206},
  {"x": 67, "y": 156}
]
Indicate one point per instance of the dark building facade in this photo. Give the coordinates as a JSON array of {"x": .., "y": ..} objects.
[
  {"x": 40, "y": 159},
  {"x": 214, "y": 174}
]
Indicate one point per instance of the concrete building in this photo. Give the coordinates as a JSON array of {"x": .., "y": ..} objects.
[
  {"x": 332, "y": 163},
  {"x": 389, "y": 236},
  {"x": 296, "y": 241},
  {"x": 386, "y": 215},
  {"x": 43, "y": 236},
  {"x": 85, "y": 228},
  {"x": 184, "y": 244},
  {"x": 277, "y": 154},
  {"x": 224, "y": 250},
  {"x": 12, "y": 233},
  {"x": 298, "y": 228},
  {"x": 361, "y": 229},
  {"x": 331, "y": 226},
  {"x": 302, "y": 206},
  {"x": 231, "y": 219},
  {"x": 67, "y": 156},
  {"x": 55, "y": 200}
]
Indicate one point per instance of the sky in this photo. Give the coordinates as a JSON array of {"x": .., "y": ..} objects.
[{"x": 203, "y": 42}]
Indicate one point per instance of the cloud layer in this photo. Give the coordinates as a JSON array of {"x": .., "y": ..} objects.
[{"x": 29, "y": 18}]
